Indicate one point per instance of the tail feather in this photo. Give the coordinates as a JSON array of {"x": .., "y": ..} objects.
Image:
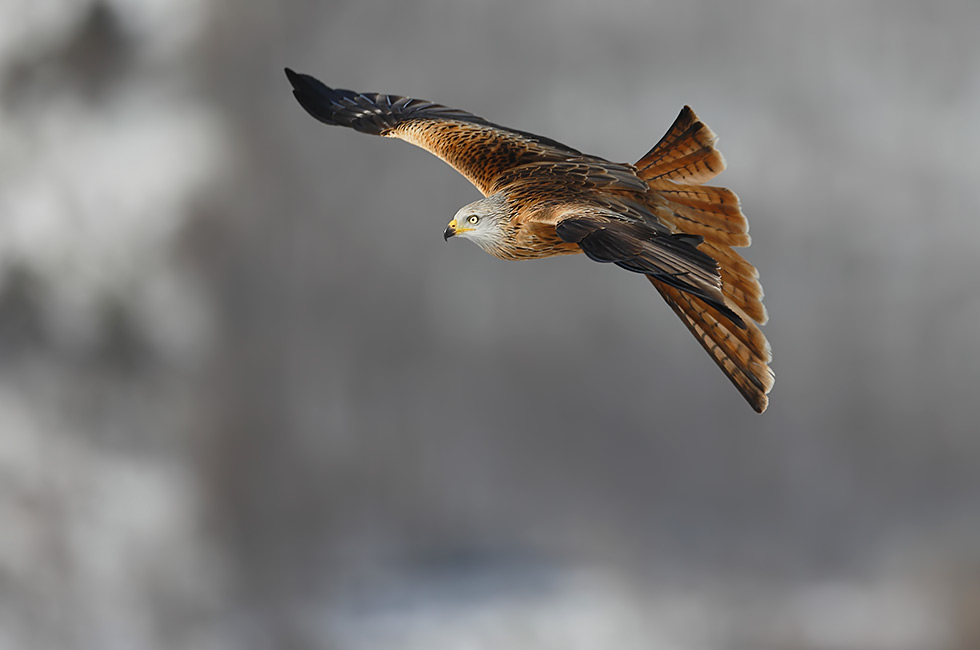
[
  {"x": 739, "y": 281},
  {"x": 745, "y": 363},
  {"x": 711, "y": 221},
  {"x": 686, "y": 153},
  {"x": 715, "y": 207},
  {"x": 675, "y": 170}
]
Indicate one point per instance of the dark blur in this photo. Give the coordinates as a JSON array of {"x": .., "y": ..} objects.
[{"x": 249, "y": 398}]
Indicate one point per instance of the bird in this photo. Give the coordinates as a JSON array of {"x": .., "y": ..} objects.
[{"x": 542, "y": 198}]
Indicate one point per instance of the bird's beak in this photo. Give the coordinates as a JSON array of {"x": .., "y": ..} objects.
[{"x": 450, "y": 230}]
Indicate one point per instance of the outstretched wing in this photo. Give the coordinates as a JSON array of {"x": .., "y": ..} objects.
[
  {"x": 479, "y": 150},
  {"x": 641, "y": 246},
  {"x": 693, "y": 284}
]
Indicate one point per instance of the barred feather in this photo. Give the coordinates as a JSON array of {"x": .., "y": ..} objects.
[
  {"x": 685, "y": 154},
  {"x": 742, "y": 354},
  {"x": 674, "y": 170}
]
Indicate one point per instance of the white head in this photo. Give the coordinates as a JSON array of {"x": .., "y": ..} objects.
[{"x": 482, "y": 222}]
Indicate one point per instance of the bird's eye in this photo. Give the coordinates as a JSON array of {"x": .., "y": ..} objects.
[{"x": 473, "y": 219}]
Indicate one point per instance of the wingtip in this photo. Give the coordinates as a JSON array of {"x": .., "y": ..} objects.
[{"x": 294, "y": 77}]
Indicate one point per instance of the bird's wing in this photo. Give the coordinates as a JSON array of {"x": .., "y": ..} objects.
[
  {"x": 691, "y": 282},
  {"x": 636, "y": 242},
  {"x": 481, "y": 151}
]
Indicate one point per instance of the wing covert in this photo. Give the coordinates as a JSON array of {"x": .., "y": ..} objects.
[{"x": 671, "y": 258}]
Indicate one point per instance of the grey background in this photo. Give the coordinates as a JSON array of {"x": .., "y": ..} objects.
[{"x": 250, "y": 399}]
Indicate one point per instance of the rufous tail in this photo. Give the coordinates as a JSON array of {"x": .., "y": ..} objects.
[{"x": 675, "y": 170}]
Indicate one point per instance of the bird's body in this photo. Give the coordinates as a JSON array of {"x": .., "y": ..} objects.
[{"x": 543, "y": 198}]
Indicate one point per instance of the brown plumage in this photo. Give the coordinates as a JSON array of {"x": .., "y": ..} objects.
[{"x": 544, "y": 198}]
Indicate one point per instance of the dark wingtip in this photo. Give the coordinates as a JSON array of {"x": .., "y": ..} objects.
[
  {"x": 313, "y": 95},
  {"x": 294, "y": 78},
  {"x": 300, "y": 81},
  {"x": 304, "y": 82}
]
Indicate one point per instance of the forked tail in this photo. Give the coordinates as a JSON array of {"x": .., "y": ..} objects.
[{"x": 675, "y": 170}]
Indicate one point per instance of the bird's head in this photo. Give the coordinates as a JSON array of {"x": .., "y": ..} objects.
[{"x": 482, "y": 222}]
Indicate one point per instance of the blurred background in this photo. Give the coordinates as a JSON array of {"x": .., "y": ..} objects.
[{"x": 249, "y": 398}]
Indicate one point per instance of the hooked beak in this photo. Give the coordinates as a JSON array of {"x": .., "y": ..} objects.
[{"x": 453, "y": 229}]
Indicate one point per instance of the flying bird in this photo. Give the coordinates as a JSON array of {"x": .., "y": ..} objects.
[{"x": 543, "y": 198}]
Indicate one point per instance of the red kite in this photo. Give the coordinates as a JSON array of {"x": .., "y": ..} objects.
[{"x": 543, "y": 198}]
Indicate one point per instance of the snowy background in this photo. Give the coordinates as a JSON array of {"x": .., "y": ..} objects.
[{"x": 250, "y": 399}]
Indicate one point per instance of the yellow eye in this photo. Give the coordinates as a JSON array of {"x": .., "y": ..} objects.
[{"x": 473, "y": 219}]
